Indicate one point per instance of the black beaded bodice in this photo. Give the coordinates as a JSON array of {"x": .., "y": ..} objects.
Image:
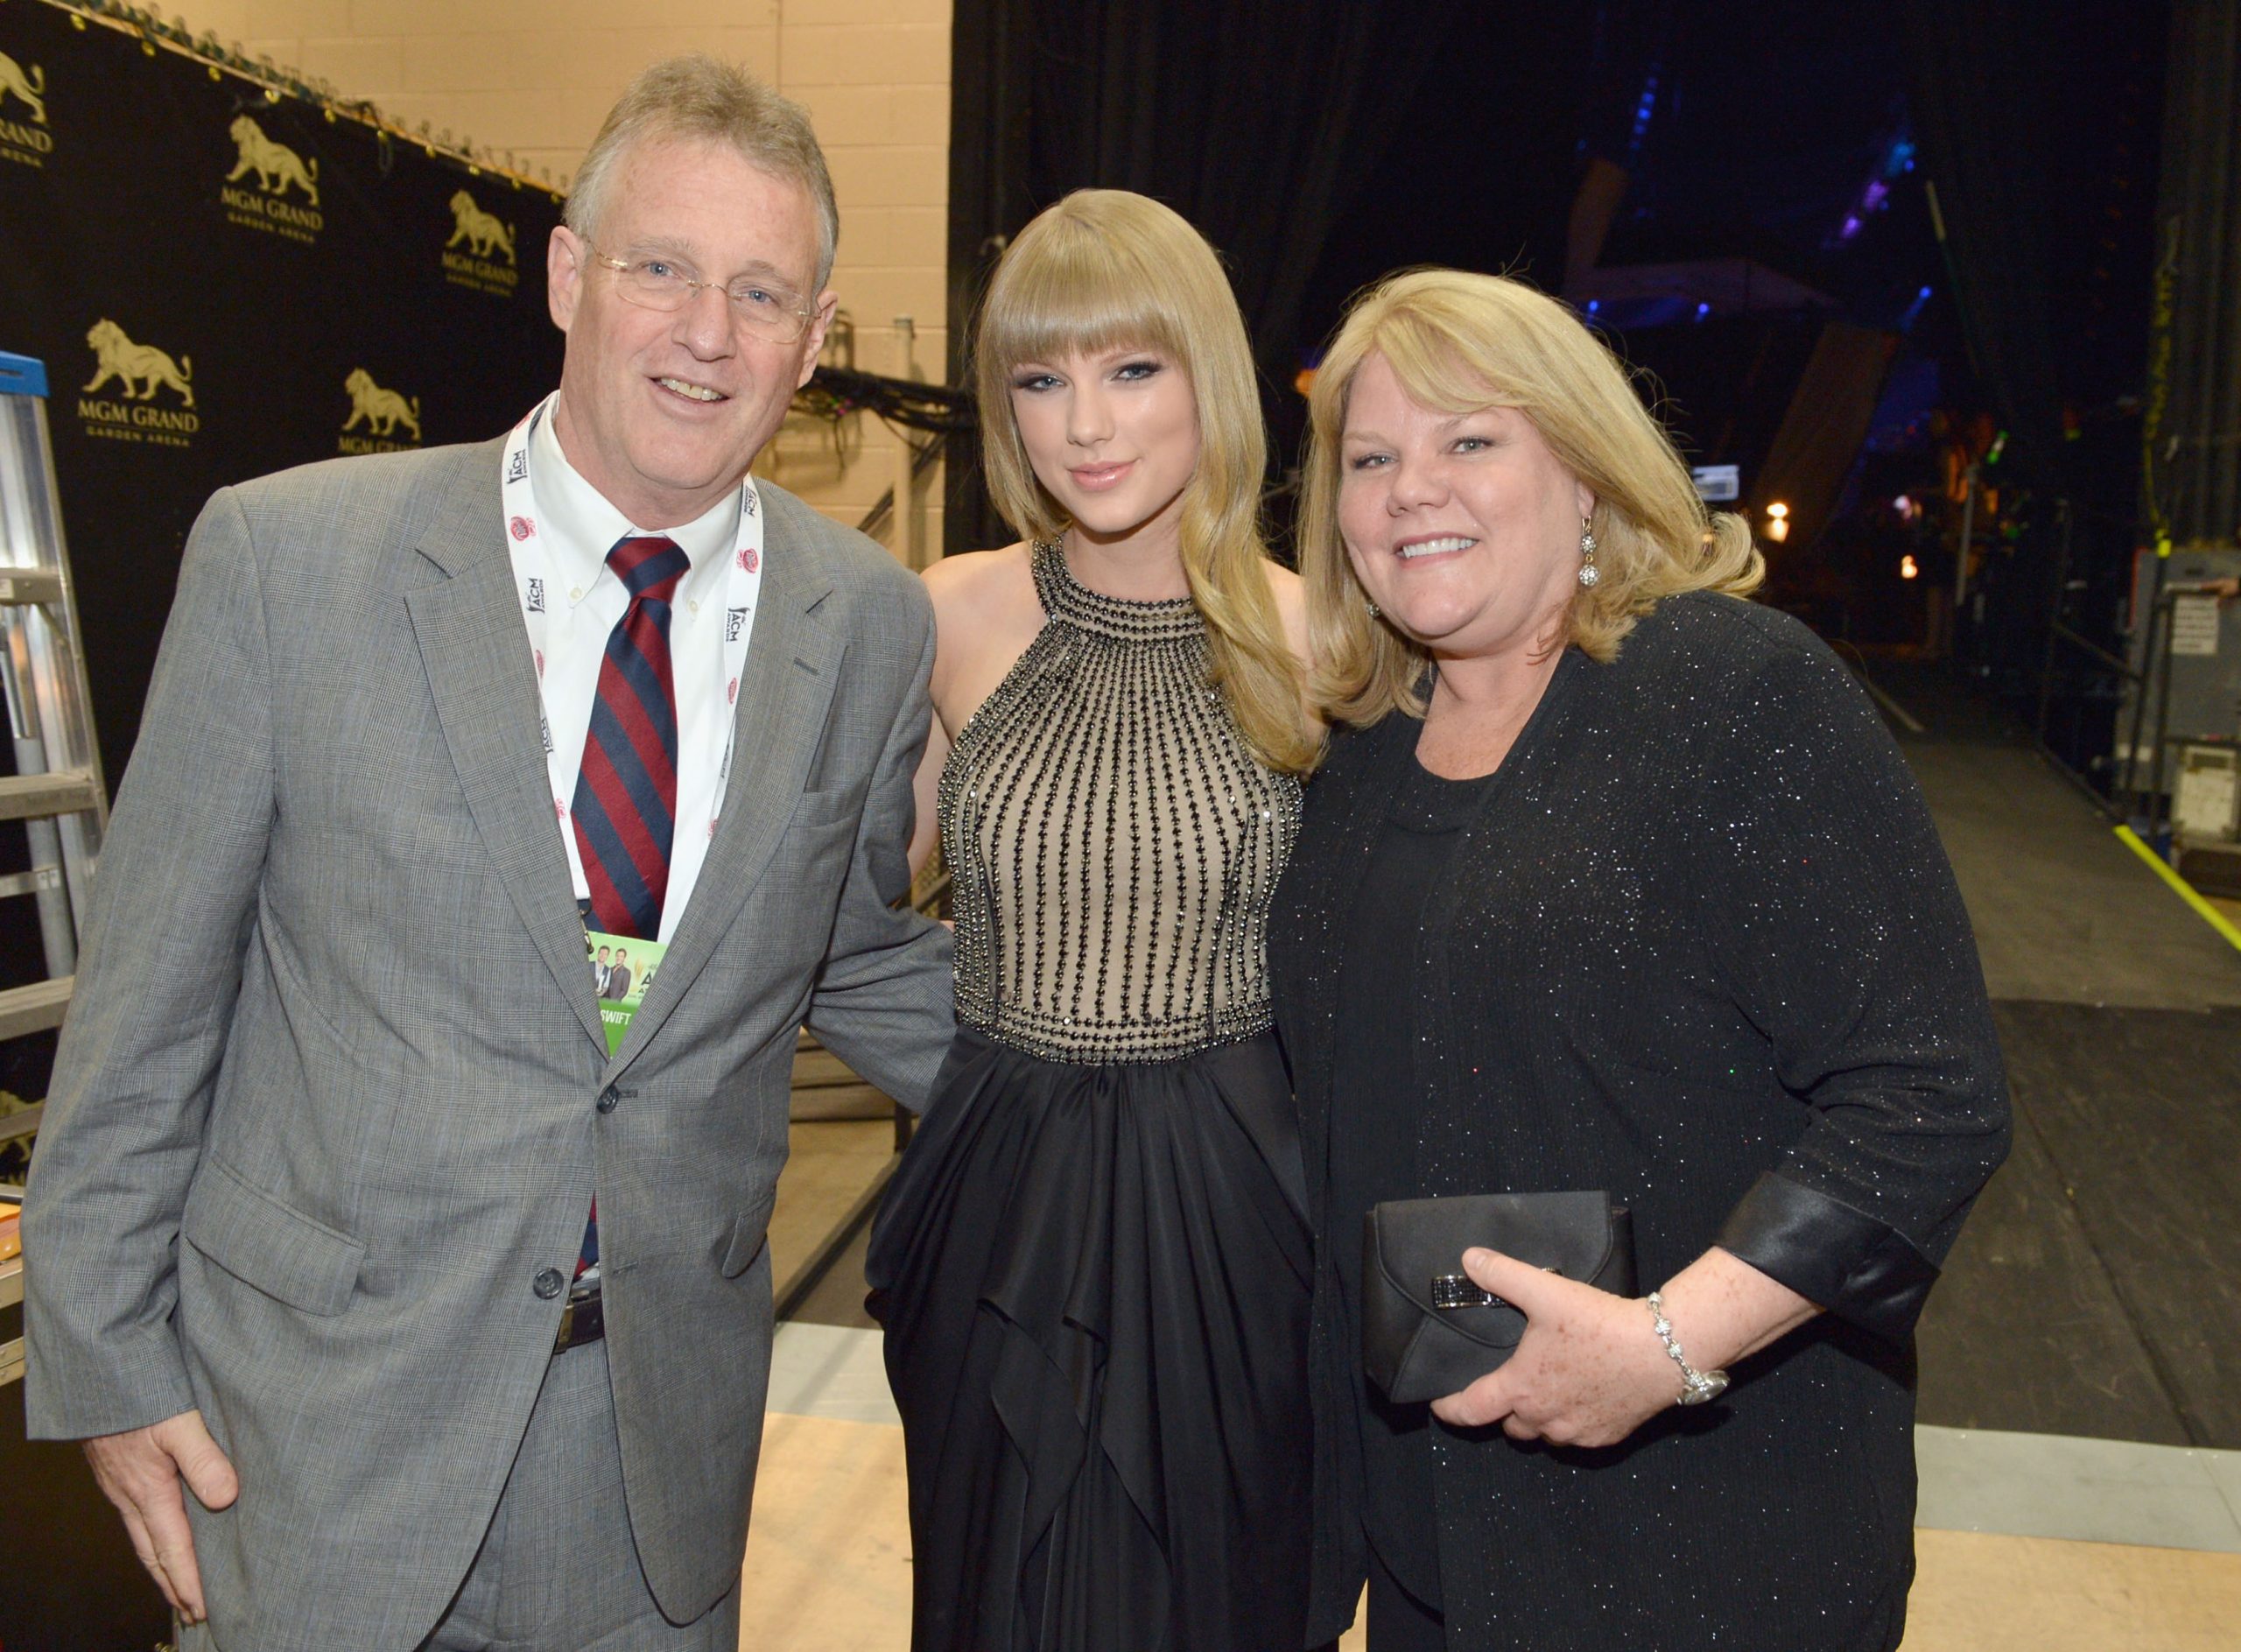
[{"x": 1112, "y": 842}]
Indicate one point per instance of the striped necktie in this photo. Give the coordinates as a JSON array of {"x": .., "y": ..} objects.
[{"x": 626, "y": 790}]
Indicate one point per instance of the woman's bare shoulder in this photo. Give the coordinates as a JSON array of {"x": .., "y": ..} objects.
[{"x": 981, "y": 587}]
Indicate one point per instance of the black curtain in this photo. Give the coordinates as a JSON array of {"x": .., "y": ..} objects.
[
  {"x": 1256, "y": 119},
  {"x": 1983, "y": 73},
  {"x": 2193, "y": 447}
]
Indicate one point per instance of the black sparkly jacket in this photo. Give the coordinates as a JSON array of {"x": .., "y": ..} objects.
[{"x": 1701, "y": 948}]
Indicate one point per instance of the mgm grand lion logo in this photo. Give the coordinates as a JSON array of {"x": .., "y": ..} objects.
[
  {"x": 276, "y": 167},
  {"x": 139, "y": 371},
  {"x": 279, "y": 170},
  {"x": 380, "y": 411},
  {"x": 481, "y": 252},
  {"x": 141, "y": 368},
  {"x": 27, "y": 142},
  {"x": 480, "y": 230},
  {"x": 27, "y": 87}
]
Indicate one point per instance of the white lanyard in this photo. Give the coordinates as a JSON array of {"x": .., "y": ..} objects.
[{"x": 534, "y": 581}]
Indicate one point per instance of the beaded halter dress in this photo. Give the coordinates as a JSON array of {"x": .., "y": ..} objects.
[
  {"x": 1093, "y": 1264},
  {"x": 1113, "y": 845}
]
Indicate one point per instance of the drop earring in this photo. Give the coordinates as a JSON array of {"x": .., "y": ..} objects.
[{"x": 1588, "y": 573}]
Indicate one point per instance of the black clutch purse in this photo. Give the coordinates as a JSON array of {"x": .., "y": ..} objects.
[{"x": 1427, "y": 1330}]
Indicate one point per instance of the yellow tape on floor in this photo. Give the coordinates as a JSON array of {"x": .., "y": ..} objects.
[{"x": 2186, "y": 891}]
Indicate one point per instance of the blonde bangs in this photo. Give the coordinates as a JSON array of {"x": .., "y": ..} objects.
[{"x": 1082, "y": 293}]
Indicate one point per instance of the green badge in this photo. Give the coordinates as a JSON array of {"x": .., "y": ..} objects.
[{"x": 621, "y": 970}]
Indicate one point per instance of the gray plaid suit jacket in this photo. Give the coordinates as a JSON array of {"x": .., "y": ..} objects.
[{"x": 327, "y": 1099}]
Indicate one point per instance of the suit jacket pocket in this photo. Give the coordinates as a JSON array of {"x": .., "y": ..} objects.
[
  {"x": 265, "y": 1244},
  {"x": 827, "y": 807},
  {"x": 748, "y": 1232}
]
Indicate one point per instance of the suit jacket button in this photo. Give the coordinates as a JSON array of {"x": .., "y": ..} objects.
[
  {"x": 609, "y": 1099},
  {"x": 548, "y": 1282}
]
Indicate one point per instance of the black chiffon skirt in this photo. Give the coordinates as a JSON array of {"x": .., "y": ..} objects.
[{"x": 1094, "y": 1282}]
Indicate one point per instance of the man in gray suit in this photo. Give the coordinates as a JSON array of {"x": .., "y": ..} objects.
[{"x": 455, "y": 1321}]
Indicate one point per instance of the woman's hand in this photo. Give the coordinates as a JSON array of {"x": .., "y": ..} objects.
[{"x": 1589, "y": 1370}]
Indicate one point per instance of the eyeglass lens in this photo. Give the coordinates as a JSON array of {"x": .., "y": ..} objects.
[{"x": 659, "y": 285}]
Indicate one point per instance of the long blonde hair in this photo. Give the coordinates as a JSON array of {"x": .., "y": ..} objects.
[
  {"x": 1459, "y": 342},
  {"x": 1104, "y": 269}
]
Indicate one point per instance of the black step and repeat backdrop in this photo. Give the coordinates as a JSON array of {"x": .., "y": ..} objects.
[{"x": 222, "y": 284}]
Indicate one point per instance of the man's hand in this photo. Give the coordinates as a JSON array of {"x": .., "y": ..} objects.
[{"x": 140, "y": 1470}]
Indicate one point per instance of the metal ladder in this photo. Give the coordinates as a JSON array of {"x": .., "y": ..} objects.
[{"x": 57, "y": 790}]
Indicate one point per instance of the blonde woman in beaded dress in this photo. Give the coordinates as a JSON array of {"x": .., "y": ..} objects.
[{"x": 1093, "y": 1266}]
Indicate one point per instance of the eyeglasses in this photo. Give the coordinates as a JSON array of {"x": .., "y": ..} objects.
[{"x": 763, "y": 308}]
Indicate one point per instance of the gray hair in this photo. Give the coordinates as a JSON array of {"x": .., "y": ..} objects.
[{"x": 695, "y": 96}]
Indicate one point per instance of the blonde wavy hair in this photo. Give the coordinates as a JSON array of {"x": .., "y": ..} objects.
[
  {"x": 1459, "y": 342},
  {"x": 1104, "y": 269}
]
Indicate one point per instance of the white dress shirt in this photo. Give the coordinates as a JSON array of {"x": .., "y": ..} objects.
[{"x": 579, "y": 527}]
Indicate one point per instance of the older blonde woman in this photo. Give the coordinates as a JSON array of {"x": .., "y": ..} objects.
[
  {"x": 1613, "y": 881},
  {"x": 1093, "y": 1264}
]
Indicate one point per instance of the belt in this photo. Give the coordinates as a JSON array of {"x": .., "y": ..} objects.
[{"x": 583, "y": 1320}]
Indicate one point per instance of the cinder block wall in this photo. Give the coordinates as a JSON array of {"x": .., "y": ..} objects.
[{"x": 537, "y": 79}]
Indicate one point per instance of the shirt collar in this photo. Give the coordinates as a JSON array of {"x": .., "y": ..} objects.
[{"x": 582, "y": 527}]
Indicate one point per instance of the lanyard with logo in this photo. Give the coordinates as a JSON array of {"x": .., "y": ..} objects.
[{"x": 533, "y": 579}]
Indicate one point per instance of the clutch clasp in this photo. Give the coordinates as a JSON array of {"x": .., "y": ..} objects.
[{"x": 1451, "y": 1291}]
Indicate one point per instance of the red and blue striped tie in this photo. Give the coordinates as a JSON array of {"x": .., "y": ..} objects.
[{"x": 626, "y": 788}]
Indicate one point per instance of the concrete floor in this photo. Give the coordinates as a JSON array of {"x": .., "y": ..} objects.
[
  {"x": 2064, "y": 912},
  {"x": 833, "y": 1165},
  {"x": 2096, "y": 1283}
]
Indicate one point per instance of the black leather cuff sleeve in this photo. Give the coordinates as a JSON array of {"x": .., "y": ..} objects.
[{"x": 1860, "y": 1270}]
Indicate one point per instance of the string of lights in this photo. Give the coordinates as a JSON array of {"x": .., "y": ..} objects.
[{"x": 277, "y": 81}]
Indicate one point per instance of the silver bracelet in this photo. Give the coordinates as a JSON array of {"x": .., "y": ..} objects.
[{"x": 1696, "y": 1386}]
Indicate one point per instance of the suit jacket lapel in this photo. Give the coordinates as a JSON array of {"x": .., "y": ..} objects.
[
  {"x": 484, "y": 683},
  {"x": 793, "y": 664}
]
